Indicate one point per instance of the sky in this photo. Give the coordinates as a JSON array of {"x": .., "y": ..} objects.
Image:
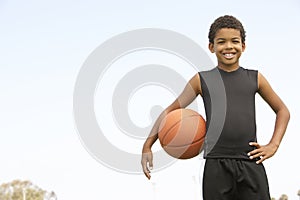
[{"x": 45, "y": 47}]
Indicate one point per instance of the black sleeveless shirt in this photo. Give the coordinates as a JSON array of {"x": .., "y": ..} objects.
[{"x": 229, "y": 101}]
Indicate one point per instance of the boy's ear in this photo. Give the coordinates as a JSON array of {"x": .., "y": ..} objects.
[
  {"x": 243, "y": 47},
  {"x": 211, "y": 47}
]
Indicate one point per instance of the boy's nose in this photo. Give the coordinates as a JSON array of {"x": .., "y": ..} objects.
[{"x": 228, "y": 45}]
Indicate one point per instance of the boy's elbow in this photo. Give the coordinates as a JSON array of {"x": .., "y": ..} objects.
[
  {"x": 286, "y": 113},
  {"x": 283, "y": 112}
]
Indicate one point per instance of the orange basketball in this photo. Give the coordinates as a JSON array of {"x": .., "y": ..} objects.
[{"x": 181, "y": 133}]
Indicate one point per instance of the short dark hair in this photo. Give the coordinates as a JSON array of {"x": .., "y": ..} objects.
[{"x": 226, "y": 21}]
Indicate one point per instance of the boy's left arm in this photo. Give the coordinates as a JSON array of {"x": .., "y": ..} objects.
[{"x": 282, "y": 118}]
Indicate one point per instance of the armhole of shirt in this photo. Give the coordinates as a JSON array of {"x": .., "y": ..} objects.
[
  {"x": 201, "y": 86},
  {"x": 257, "y": 84}
]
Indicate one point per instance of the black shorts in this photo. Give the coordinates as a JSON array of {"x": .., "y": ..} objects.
[{"x": 234, "y": 179}]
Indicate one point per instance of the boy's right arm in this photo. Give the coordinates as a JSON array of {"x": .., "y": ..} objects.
[{"x": 190, "y": 92}]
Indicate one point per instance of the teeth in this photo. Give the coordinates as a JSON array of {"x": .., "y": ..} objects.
[{"x": 228, "y": 55}]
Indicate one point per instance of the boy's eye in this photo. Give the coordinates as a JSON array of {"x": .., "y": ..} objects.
[
  {"x": 221, "y": 42},
  {"x": 236, "y": 41}
]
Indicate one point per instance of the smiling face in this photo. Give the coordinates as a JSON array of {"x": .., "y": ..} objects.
[{"x": 228, "y": 47}]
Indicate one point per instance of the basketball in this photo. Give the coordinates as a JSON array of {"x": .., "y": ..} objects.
[{"x": 181, "y": 133}]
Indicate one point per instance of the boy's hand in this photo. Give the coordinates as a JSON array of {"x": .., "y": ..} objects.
[
  {"x": 263, "y": 152},
  {"x": 147, "y": 162}
]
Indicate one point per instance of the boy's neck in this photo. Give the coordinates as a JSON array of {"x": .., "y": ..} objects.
[{"x": 228, "y": 68}]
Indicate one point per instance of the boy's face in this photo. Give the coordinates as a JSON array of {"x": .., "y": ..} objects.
[{"x": 228, "y": 47}]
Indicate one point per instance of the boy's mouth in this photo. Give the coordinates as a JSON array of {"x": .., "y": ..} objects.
[{"x": 228, "y": 55}]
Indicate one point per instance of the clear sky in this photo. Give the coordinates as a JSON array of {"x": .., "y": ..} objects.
[{"x": 43, "y": 46}]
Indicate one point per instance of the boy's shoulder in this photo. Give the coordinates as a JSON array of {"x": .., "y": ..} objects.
[
  {"x": 249, "y": 69},
  {"x": 208, "y": 71}
]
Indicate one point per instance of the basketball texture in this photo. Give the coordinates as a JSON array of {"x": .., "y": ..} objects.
[{"x": 181, "y": 133}]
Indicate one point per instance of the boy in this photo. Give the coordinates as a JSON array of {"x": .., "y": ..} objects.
[{"x": 233, "y": 156}]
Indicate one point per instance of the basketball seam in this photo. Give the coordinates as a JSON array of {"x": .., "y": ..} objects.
[
  {"x": 185, "y": 144},
  {"x": 162, "y": 139},
  {"x": 176, "y": 123}
]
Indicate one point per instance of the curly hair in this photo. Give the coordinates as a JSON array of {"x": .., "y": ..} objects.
[{"x": 226, "y": 21}]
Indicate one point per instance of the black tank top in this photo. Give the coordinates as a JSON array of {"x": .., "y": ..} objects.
[{"x": 229, "y": 101}]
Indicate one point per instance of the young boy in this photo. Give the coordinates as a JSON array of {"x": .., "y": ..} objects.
[{"x": 233, "y": 158}]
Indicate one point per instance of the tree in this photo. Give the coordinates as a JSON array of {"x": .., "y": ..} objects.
[{"x": 24, "y": 190}]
